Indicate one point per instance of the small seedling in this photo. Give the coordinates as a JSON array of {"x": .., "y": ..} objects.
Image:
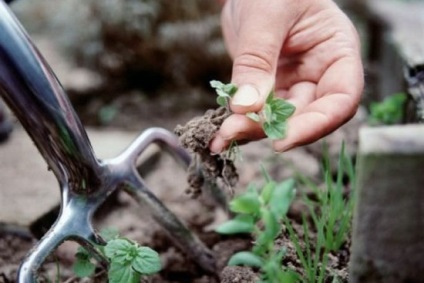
[
  {"x": 273, "y": 117},
  {"x": 331, "y": 214},
  {"x": 128, "y": 261},
  {"x": 260, "y": 213},
  {"x": 224, "y": 92}
]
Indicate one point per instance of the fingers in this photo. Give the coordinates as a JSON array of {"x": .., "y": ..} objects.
[
  {"x": 309, "y": 126},
  {"x": 237, "y": 127},
  {"x": 338, "y": 94},
  {"x": 258, "y": 44}
]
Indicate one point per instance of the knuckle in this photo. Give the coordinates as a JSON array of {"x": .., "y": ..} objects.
[{"x": 255, "y": 60}]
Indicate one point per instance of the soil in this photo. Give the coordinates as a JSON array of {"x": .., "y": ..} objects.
[
  {"x": 200, "y": 214},
  {"x": 132, "y": 110},
  {"x": 195, "y": 136}
]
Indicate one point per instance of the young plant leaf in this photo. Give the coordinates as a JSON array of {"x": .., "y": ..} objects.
[
  {"x": 267, "y": 190},
  {"x": 222, "y": 101},
  {"x": 122, "y": 273},
  {"x": 282, "y": 197},
  {"x": 246, "y": 258},
  {"x": 275, "y": 130},
  {"x": 121, "y": 250},
  {"x": 282, "y": 109},
  {"x": 83, "y": 267},
  {"x": 271, "y": 224},
  {"x": 147, "y": 261},
  {"x": 246, "y": 203},
  {"x": 224, "y": 91},
  {"x": 242, "y": 223}
]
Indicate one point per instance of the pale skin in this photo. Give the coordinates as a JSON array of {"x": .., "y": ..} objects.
[{"x": 308, "y": 50}]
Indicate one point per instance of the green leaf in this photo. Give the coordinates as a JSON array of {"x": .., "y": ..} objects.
[
  {"x": 270, "y": 97},
  {"x": 240, "y": 224},
  {"x": 147, "y": 261},
  {"x": 275, "y": 130},
  {"x": 282, "y": 197},
  {"x": 222, "y": 101},
  {"x": 267, "y": 191},
  {"x": 224, "y": 90},
  {"x": 216, "y": 84},
  {"x": 122, "y": 273},
  {"x": 389, "y": 111},
  {"x": 288, "y": 276},
  {"x": 253, "y": 116},
  {"x": 230, "y": 89},
  {"x": 121, "y": 250},
  {"x": 245, "y": 258},
  {"x": 282, "y": 109},
  {"x": 246, "y": 203},
  {"x": 272, "y": 226},
  {"x": 83, "y": 267},
  {"x": 267, "y": 111}
]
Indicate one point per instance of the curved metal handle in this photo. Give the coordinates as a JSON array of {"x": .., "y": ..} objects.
[{"x": 33, "y": 92}]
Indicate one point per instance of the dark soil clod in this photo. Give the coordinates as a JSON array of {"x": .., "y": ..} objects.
[{"x": 195, "y": 136}]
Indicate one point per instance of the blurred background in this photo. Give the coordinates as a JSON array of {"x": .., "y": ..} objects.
[
  {"x": 135, "y": 63},
  {"x": 129, "y": 62}
]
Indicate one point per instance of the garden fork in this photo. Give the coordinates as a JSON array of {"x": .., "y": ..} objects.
[{"x": 34, "y": 94}]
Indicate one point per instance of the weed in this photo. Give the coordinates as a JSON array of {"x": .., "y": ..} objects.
[
  {"x": 260, "y": 213},
  {"x": 128, "y": 261},
  {"x": 331, "y": 212},
  {"x": 331, "y": 215},
  {"x": 273, "y": 117}
]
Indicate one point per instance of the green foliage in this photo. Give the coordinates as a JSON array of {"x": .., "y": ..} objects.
[
  {"x": 273, "y": 117},
  {"x": 332, "y": 211},
  {"x": 313, "y": 258},
  {"x": 389, "y": 111},
  {"x": 260, "y": 213},
  {"x": 331, "y": 214},
  {"x": 224, "y": 91},
  {"x": 128, "y": 261},
  {"x": 275, "y": 113}
]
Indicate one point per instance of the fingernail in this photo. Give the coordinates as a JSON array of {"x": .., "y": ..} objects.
[{"x": 246, "y": 95}]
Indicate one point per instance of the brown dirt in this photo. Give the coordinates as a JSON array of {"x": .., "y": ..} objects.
[
  {"x": 201, "y": 215},
  {"x": 195, "y": 136}
]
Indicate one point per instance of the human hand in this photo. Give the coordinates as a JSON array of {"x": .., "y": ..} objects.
[{"x": 308, "y": 50}]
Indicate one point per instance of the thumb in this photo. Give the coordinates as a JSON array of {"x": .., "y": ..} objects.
[{"x": 262, "y": 27}]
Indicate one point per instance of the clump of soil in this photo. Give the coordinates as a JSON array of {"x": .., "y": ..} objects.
[{"x": 195, "y": 136}]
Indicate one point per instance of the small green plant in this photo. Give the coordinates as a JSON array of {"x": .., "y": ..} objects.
[
  {"x": 273, "y": 117},
  {"x": 312, "y": 256},
  {"x": 128, "y": 261},
  {"x": 331, "y": 214},
  {"x": 389, "y": 111},
  {"x": 260, "y": 213},
  {"x": 331, "y": 211}
]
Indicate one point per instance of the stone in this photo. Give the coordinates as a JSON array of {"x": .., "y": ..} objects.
[{"x": 388, "y": 229}]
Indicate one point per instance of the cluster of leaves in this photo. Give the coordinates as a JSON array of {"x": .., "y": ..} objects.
[
  {"x": 388, "y": 112},
  {"x": 128, "y": 261},
  {"x": 331, "y": 212},
  {"x": 273, "y": 117},
  {"x": 260, "y": 213}
]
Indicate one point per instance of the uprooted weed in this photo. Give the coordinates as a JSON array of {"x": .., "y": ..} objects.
[{"x": 195, "y": 136}]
